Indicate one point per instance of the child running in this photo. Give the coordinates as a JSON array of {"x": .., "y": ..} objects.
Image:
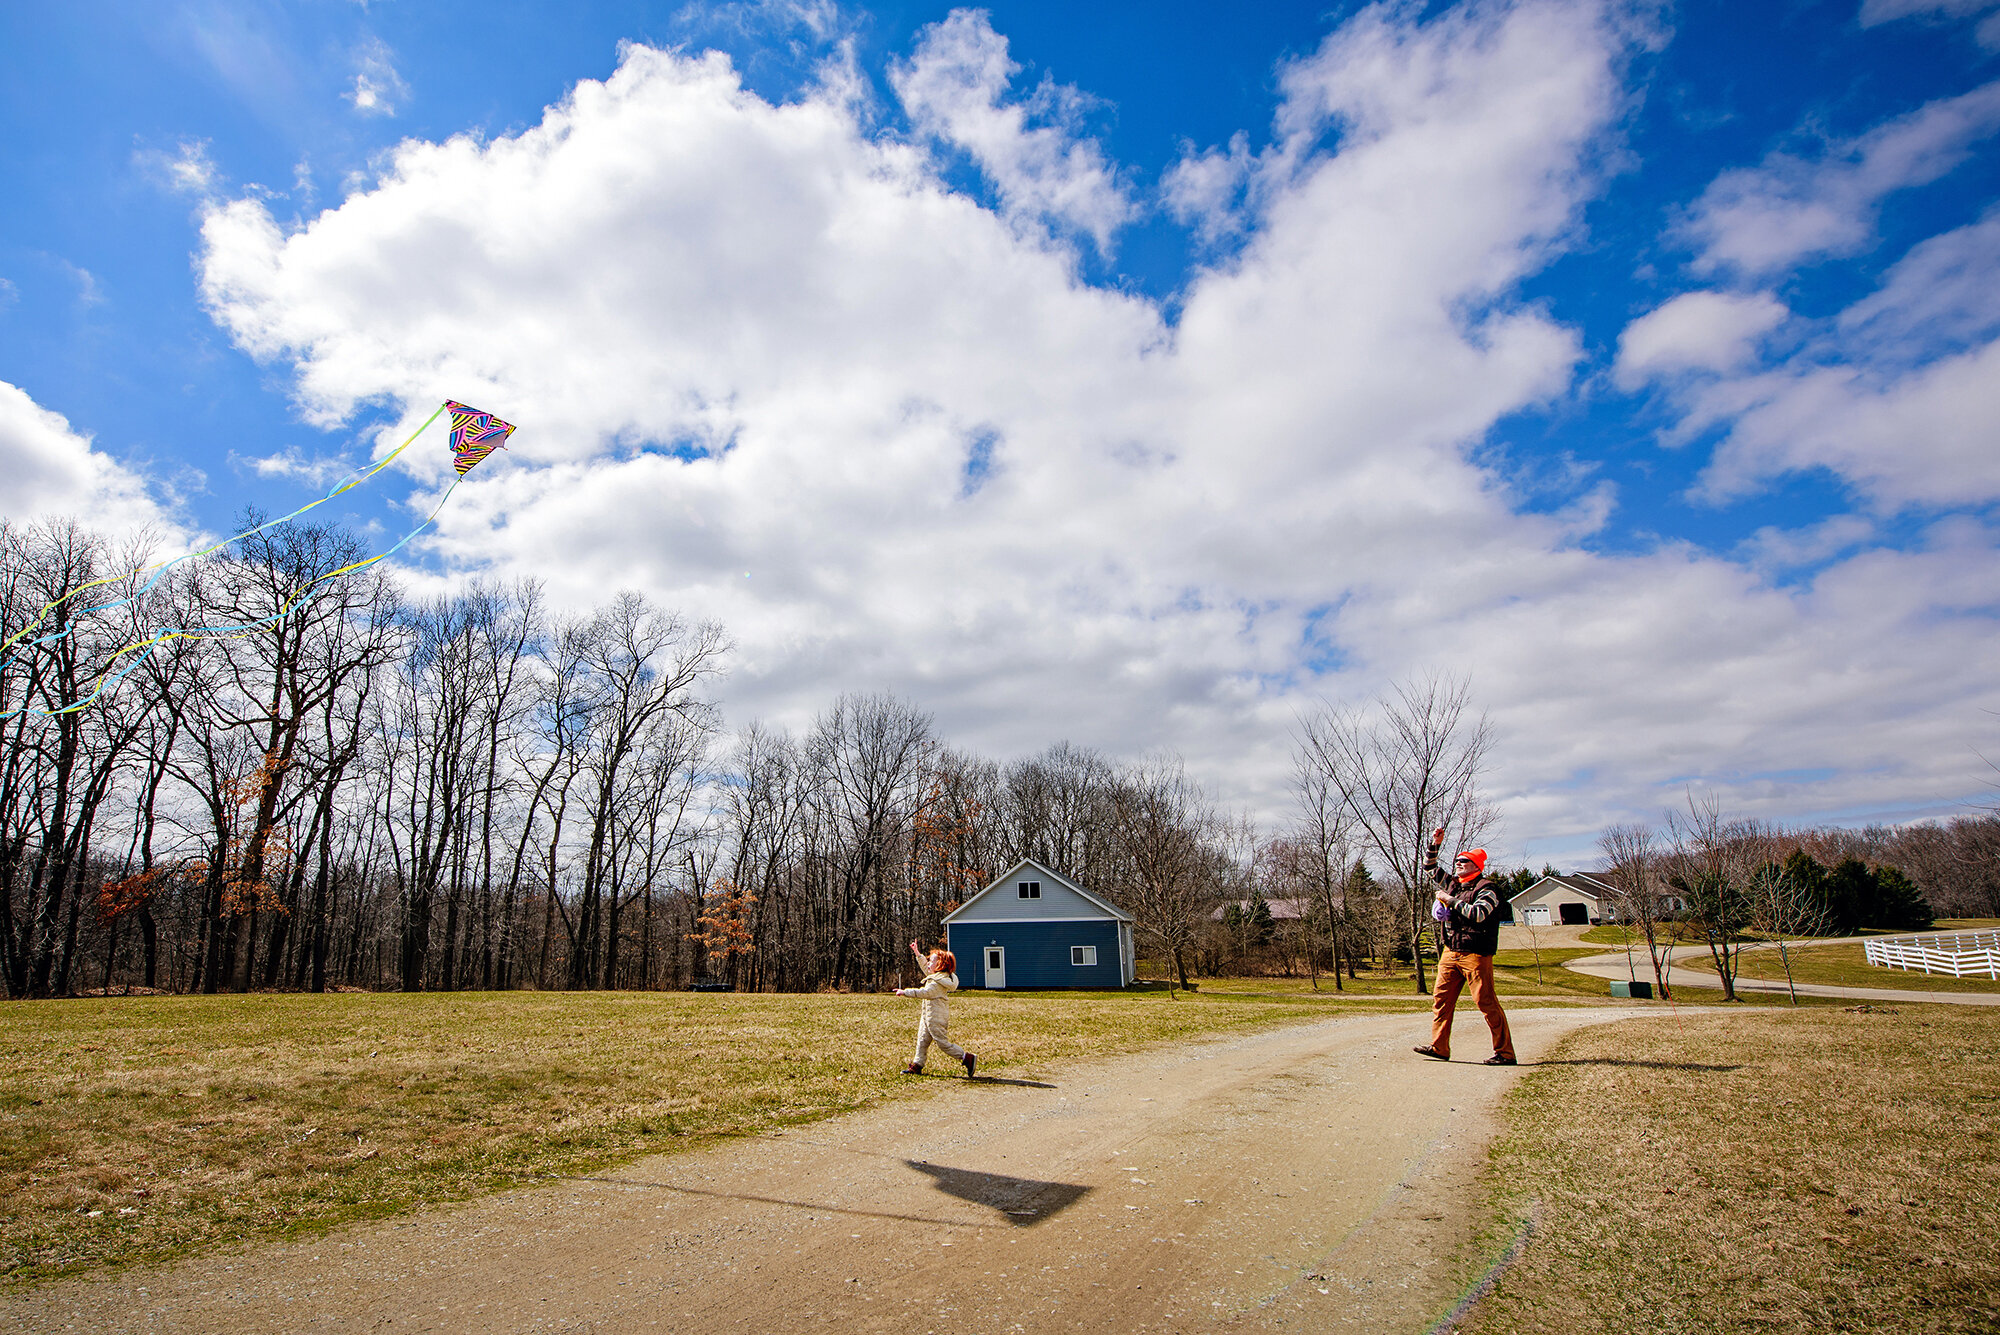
[{"x": 940, "y": 981}]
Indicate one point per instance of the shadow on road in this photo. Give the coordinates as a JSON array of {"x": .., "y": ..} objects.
[
  {"x": 1023, "y": 1200},
  {"x": 1003, "y": 1080},
  {"x": 817, "y": 1207}
]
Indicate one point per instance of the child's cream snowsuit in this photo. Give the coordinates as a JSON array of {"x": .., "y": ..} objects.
[{"x": 936, "y": 1014}]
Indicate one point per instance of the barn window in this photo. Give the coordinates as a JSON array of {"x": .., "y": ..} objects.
[
  {"x": 1031, "y": 889},
  {"x": 1083, "y": 954}
]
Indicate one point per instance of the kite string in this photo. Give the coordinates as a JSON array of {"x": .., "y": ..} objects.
[
  {"x": 347, "y": 484},
  {"x": 307, "y": 591}
]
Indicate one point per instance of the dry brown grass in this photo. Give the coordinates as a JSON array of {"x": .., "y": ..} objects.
[
  {"x": 135, "y": 1128},
  {"x": 1766, "y": 1171}
]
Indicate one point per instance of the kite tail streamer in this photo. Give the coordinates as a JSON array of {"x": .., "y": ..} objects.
[
  {"x": 305, "y": 594},
  {"x": 349, "y": 483},
  {"x": 474, "y": 435}
]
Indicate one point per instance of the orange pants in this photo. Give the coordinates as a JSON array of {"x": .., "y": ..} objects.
[{"x": 1455, "y": 970}]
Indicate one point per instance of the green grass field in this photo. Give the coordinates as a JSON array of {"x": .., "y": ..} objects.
[{"x": 1763, "y": 1171}]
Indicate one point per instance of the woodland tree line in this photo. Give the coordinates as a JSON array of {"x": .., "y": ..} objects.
[{"x": 339, "y": 785}]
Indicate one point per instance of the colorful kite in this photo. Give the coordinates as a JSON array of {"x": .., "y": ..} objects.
[{"x": 474, "y": 435}]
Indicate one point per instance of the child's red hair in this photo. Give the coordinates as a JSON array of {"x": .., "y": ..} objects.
[{"x": 946, "y": 961}]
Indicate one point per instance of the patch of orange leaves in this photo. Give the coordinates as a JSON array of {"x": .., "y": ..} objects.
[{"x": 724, "y": 910}]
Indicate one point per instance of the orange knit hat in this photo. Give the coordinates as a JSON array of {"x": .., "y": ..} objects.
[{"x": 1478, "y": 856}]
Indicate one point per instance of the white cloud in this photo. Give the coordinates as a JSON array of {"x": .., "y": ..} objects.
[
  {"x": 1696, "y": 331},
  {"x": 1790, "y": 209},
  {"x": 1925, "y": 437},
  {"x": 1203, "y": 189},
  {"x": 954, "y": 89},
  {"x": 1874, "y": 12},
  {"x": 292, "y": 462},
  {"x": 1777, "y": 551},
  {"x": 188, "y": 170},
  {"x": 88, "y": 291},
  {"x": 1884, "y": 11},
  {"x": 53, "y": 472},
  {"x": 820, "y": 19},
  {"x": 744, "y": 338},
  {"x": 1897, "y": 395},
  {"x": 1945, "y": 293},
  {"x": 378, "y": 90}
]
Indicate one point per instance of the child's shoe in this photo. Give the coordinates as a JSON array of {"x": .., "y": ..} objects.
[
  {"x": 913, "y": 1069},
  {"x": 969, "y": 1061}
]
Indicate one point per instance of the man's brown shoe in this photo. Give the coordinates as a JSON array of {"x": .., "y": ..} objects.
[
  {"x": 1497, "y": 1060},
  {"x": 1428, "y": 1051}
]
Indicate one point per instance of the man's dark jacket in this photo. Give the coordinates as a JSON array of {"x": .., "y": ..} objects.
[{"x": 1474, "y": 925}]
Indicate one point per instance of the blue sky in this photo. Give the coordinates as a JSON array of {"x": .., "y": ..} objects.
[{"x": 1632, "y": 360}]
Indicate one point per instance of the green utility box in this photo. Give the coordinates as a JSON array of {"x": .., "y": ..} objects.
[{"x": 1640, "y": 991}]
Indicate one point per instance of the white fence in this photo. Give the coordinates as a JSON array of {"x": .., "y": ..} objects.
[{"x": 1960, "y": 954}]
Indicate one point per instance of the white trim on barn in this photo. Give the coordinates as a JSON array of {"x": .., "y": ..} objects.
[
  {"x": 953, "y": 917},
  {"x": 1058, "y": 935},
  {"x": 1000, "y": 909}
]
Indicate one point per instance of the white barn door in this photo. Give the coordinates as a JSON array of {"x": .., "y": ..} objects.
[{"x": 996, "y": 966}]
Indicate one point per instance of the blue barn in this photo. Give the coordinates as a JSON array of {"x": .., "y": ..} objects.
[{"x": 1037, "y": 928}]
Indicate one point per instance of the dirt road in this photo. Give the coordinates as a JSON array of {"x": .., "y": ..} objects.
[{"x": 1307, "y": 1179}]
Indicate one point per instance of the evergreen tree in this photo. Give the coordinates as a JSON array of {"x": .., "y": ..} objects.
[
  {"x": 1807, "y": 874},
  {"x": 1899, "y": 904},
  {"x": 1262, "y": 928},
  {"x": 1850, "y": 896}
]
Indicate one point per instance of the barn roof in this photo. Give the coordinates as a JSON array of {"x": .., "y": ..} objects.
[{"x": 1110, "y": 910}]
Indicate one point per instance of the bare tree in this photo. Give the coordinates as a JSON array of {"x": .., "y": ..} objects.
[
  {"x": 1053, "y": 810},
  {"x": 1783, "y": 906},
  {"x": 1165, "y": 829},
  {"x": 644, "y": 665},
  {"x": 1705, "y": 864},
  {"x": 1322, "y": 850},
  {"x": 61, "y": 757},
  {"x": 871, "y": 757},
  {"x": 1631, "y": 859},
  {"x": 761, "y": 820},
  {"x": 1406, "y": 767}
]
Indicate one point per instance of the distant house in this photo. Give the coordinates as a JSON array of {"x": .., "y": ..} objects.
[
  {"x": 1282, "y": 910},
  {"x": 1579, "y": 899},
  {"x": 1037, "y": 928}
]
